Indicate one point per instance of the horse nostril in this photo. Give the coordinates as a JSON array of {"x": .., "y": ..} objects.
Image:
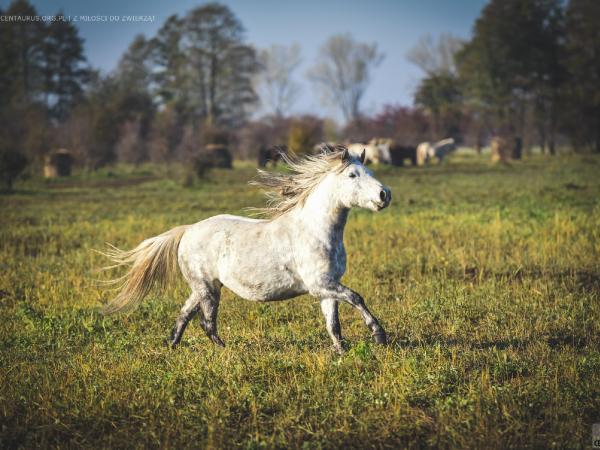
[{"x": 383, "y": 195}]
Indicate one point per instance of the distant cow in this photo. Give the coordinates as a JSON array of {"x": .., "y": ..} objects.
[
  {"x": 271, "y": 154},
  {"x": 398, "y": 153}
]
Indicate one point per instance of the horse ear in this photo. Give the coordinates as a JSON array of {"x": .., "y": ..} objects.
[
  {"x": 345, "y": 155},
  {"x": 362, "y": 157}
]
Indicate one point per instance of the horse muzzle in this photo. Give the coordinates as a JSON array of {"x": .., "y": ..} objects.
[{"x": 385, "y": 197}]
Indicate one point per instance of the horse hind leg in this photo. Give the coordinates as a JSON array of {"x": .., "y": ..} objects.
[
  {"x": 188, "y": 311},
  {"x": 209, "y": 304},
  {"x": 204, "y": 300}
]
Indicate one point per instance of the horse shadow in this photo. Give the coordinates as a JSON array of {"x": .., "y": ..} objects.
[{"x": 398, "y": 341}]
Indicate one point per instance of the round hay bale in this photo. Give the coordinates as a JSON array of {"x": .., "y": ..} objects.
[
  {"x": 213, "y": 156},
  {"x": 219, "y": 155},
  {"x": 499, "y": 149},
  {"x": 58, "y": 163}
]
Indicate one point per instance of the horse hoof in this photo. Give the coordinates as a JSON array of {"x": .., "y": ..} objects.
[
  {"x": 380, "y": 338},
  {"x": 172, "y": 340},
  {"x": 340, "y": 347},
  {"x": 169, "y": 343},
  {"x": 217, "y": 340}
]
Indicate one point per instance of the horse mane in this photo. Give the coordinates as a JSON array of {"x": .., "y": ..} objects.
[{"x": 287, "y": 191}]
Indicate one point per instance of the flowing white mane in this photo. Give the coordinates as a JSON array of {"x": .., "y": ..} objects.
[{"x": 286, "y": 191}]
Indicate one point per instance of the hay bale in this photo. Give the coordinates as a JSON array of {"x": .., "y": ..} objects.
[
  {"x": 58, "y": 163},
  {"x": 219, "y": 155},
  {"x": 213, "y": 156},
  {"x": 500, "y": 149}
]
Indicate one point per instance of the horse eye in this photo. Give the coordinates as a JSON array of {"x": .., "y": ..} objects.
[{"x": 353, "y": 175}]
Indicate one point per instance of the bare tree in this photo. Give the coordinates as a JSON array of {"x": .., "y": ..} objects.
[
  {"x": 277, "y": 89},
  {"x": 343, "y": 72},
  {"x": 434, "y": 57}
]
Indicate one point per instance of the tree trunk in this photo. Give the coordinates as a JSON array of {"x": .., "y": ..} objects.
[{"x": 553, "y": 120}]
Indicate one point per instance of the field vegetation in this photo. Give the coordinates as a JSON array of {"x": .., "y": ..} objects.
[{"x": 486, "y": 278}]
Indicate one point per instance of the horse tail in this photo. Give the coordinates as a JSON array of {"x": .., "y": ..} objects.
[{"x": 153, "y": 262}]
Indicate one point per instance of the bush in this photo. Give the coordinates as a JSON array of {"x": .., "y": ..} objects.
[
  {"x": 259, "y": 135},
  {"x": 305, "y": 133},
  {"x": 212, "y": 135}
]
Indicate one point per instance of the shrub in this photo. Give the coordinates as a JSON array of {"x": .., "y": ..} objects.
[{"x": 305, "y": 133}]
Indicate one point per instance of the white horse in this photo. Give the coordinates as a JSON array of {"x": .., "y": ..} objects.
[
  {"x": 444, "y": 148},
  {"x": 299, "y": 250},
  {"x": 424, "y": 150},
  {"x": 377, "y": 151},
  {"x": 427, "y": 151},
  {"x": 383, "y": 147}
]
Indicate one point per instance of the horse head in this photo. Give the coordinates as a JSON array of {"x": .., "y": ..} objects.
[{"x": 355, "y": 185}]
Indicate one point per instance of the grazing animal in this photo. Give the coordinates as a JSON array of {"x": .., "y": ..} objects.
[
  {"x": 270, "y": 154},
  {"x": 298, "y": 250},
  {"x": 399, "y": 153},
  {"x": 444, "y": 148},
  {"x": 377, "y": 151},
  {"x": 370, "y": 151},
  {"x": 383, "y": 149},
  {"x": 426, "y": 150}
]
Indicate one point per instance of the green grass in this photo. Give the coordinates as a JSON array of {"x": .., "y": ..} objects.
[{"x": 486, "y": 278}]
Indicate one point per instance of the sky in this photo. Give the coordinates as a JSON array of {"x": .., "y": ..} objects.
[{"x": 394, "y": 25}]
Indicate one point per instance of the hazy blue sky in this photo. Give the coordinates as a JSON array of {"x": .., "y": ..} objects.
[{"x": 395, "y": 25}]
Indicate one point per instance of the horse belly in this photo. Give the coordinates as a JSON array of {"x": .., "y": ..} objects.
[
  {"x": 257, "y": 267},
  {"x": 264, "y": 285}
]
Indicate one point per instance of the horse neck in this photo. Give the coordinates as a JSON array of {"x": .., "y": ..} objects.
[
  {"x": 321, "y": 213},
  {"x": 444, "y": 143}
]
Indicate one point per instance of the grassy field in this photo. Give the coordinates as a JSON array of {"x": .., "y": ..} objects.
[{"x": 486, "y": 278}]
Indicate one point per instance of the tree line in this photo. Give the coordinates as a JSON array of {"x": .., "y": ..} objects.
[{"x": 531, "y": 68}]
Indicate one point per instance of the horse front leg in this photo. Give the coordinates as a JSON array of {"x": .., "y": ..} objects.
[
  {"x": 341, "y": 293},
  {"x": 332, "y": 322}
]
